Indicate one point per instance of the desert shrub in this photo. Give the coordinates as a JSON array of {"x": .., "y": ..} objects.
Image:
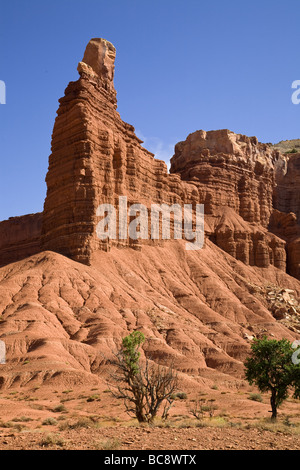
[
  {"x": 49, "y": 422},
  {"x": 52, "y": 440},
  {"x": 109, "y": 444},
  {"x": 84, "y": 423},
  {"x": 180, "y": 395},
  {"x": 93, "y": 398},
  {"x": 144, "y": 388},
  {"x": 255, "y": 397},
  {"x": 201, "y": 407},
  {"x": 22, "y": 419},
  {"x": 59, "y": 409}
]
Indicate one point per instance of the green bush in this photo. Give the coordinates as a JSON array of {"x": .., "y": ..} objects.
[{"x": 255, "y": 397}]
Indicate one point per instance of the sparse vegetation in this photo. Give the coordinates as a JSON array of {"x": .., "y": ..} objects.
[
  {"x": 52, "y": 440},
  {"x": 11, "y": 424},
  {"x": 143, "y": 388},
  {"x": 49, "y": 422},
  {"x": 109, "y": 444},
  {"x": 269, "y": 424},
  {"x": 255, "y": 397},
  {"x": 288, "y": 146},
  {"x": 180, "y": 395},
  {"x": 93, "y": 398},
  {"x": 22, "y": 419},
  {"x": 83, "y": 422},
  {"x": 201, "y": 407},
  {"x": 59, "y": 409}
]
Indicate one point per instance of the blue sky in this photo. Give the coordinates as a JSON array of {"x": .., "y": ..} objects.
[{"x": 181, "y": 65}]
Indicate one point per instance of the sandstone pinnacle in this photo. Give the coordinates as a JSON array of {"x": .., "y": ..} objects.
[{"x": 99, "y": 61}]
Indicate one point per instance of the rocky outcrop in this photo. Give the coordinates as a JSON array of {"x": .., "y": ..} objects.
[
  {"x": 286, "y": 217},
  {"x": 235, "y": 177},
  {"x": 249, "y": 243},
  {"x": 287, "y": 194},
  {"x": 20, "y": 237},
  {"x": 283, "y": 305},
  {"x": 229, "y": 170},
  {"x": 96, "y": 157}
]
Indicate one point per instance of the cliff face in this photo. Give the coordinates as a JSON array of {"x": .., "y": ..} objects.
[
  {"x": 230, "y": 170},
  {"x": 20, "y": 237},
  {"x": 235, "y": 177},
  {"x": 95, "y": 158},
  {"x": 287, "y": 203},
  {"x": 287, "y": 194}
]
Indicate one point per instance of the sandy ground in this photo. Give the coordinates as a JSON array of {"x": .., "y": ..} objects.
[
  {"x": 91, "y": 419},
  {"x": 134, "y": 438}
]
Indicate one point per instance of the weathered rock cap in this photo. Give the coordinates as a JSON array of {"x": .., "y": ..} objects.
[{"x": 99, "y": 60}]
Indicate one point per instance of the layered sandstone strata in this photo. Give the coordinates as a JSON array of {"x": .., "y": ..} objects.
[
  {"x": 286, "y": 218},
  {"x": 235, "y": 177},
  {"x": 287, "y": 194},
  {"x": 20, "y": 237},
  {"x": 96, "y": 157},
  {"x": 230, "y": 170}
]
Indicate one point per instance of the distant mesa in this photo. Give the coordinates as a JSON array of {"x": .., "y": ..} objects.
[{"x": 288, "y": 146}]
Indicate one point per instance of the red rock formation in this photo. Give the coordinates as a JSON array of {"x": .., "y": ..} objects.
[
  {"x": 287, "y": 194},
  {"x": 235, "y": 177},
  {"x": 230, "y": 170},
  {"x": 286, "y": 217},
  {"x": 95, "y": 158},
  {"x": 20, "y": 237}
]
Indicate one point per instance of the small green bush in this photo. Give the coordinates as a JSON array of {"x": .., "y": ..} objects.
[
  {"x": 93, "y": 398},
  {"x": 52, "y": 440},
  {"x": 49, "y": 422},
  {"x": 255, "y": 397},
  {"x": 59, "y": 409},
  {"x": 109, "y": 444},
  {"x": 180, "y": 395}
]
